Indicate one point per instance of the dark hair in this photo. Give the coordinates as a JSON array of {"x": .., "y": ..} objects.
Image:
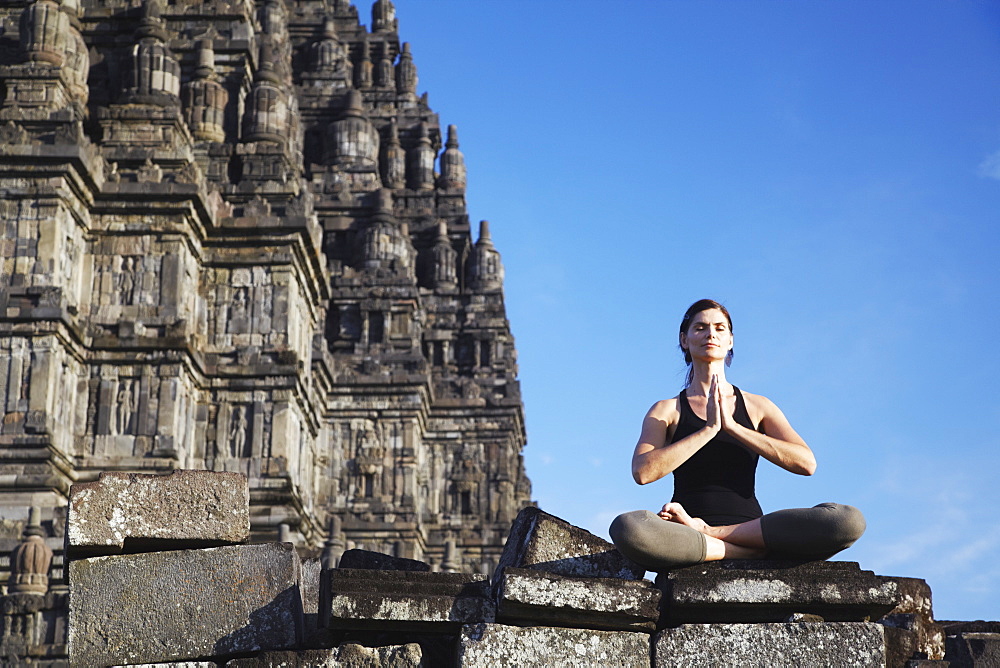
[{"x": 693, "y": 310}]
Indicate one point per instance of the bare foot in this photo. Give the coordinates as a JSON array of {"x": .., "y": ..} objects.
[{"x": 674, "y": 512}]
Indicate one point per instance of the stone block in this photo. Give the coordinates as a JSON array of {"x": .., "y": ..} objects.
[
  {"x": 913, "y": 612},
  {"x": 543, "y": 542},
  {"x": 952, "y": 628},
  {"x": 770, "y": 591},
  {"x": 135, "y": 512},
  {"x": 525, "y": 596},
  {"x": 184, "y": 605},
  {"x": 840, "y": 644},
  {"x": 349, "y": 655},
  {"x": 310, "y": 578},
  {"x": 172, "y": 664},
  {"x": 366, "y": 559},
  {"x": 312, "y": 572},
  {"x": 973, "y": 650},
  {"x": 499, "y": 646},
  {"x": 404, "y": 600}
]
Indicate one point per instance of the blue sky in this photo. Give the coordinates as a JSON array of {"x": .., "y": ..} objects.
[{"x": 829, "y": 170}]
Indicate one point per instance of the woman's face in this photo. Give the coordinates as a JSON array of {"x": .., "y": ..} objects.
[{"x": 708, "y": 337}]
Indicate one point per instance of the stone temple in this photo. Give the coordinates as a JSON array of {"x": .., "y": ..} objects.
[{"x": 234, "y": 237}]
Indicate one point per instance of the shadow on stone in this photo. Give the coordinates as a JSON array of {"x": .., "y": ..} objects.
[
  {"x": 267, "y": 626},
  {"x": 366, "y": 559}
]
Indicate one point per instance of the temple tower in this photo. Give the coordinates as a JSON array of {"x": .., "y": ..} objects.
[{"x": 235, "y": 238}]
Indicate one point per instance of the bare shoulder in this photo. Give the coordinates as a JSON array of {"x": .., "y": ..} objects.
[
  {"x": 658, "y": 424},
  {"x": 664, "y": 409},
  {"x": 759, "y": 407}
]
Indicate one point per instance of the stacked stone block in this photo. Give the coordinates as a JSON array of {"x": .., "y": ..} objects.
[
  {"x": 972, "y": 644},
  {"x": 561, "y": 597},
  {"x": 191, "y": 602},
  {"x": 136, "y": 607}
]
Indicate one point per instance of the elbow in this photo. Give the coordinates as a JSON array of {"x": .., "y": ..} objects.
[
  {"x": 641, "y": 477},
  {"x": 807, "y": 467}
]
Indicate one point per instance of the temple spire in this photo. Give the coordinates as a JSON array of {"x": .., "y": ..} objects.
[
  {"x": 267, "y": 108},
  {"x": 406, "y": 72},
  {"x": 31, "y": 559},
  {"x": 352, "y": 140},
  {"x": 44, "y": 29},
  {"x": 363, "y": 72},
  {"x": 329, "y": 54},
  {"x": 384, "y": 16},
  {"x": 420, "y": 162},
  {"x": 393, "y": 159},
  {"x": 453, "y": 173},
  {"x": 485, "y": 269},
  {"x": 154, "y": 75},
  {"x": 204, "y": 98},
  {"x": 384, "y": 75},
  {"x": 441, "y": 271}
]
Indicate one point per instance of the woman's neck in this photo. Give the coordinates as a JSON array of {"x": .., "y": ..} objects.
[{"x": 701, "y": 378}]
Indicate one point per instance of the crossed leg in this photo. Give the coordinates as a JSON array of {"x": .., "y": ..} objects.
[
  {"x": 733, "y": 541},
  {"x": 816, "y": 533},
  {"x": 674, "y": 539}
]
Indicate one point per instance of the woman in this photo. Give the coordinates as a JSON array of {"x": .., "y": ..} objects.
[{"x": 710, "y": 437}]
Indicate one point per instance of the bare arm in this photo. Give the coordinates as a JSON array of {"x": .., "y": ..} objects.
[
  {"x": 779, "y": 443},
  {"x": 654, "y": 458}
]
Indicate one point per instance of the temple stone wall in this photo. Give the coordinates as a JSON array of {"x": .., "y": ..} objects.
[{"x": 234, "y": 238}]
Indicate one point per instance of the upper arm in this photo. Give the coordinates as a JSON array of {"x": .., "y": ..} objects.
[
  {"x": 657, "y": 427},
  {"x": 773, "y": 422}
]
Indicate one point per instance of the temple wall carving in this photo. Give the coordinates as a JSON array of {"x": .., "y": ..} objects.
[{"x": 233, "y": 236}]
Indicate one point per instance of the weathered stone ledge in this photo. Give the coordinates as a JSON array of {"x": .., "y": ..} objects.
[
  {"x": 769, "y": 591},
  {"x": 562, "y": 596}
]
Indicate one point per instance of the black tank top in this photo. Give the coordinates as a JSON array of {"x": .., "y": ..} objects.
[{"x": 717, "y": 482}]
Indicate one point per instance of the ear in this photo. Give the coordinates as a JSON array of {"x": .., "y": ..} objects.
[{"x": 683, "y": 341}]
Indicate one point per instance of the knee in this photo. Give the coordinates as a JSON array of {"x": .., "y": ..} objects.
[
  {"x": 846, "y": 523},
  {"x": 658, "y": 545},
  {"x": 854, "y": 524},
  {"x": 627, "y": 526},
  {"x": 628, "y": 531}
]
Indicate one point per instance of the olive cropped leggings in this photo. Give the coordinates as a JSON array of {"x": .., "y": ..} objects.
[{"x": 796, "y": 533}]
